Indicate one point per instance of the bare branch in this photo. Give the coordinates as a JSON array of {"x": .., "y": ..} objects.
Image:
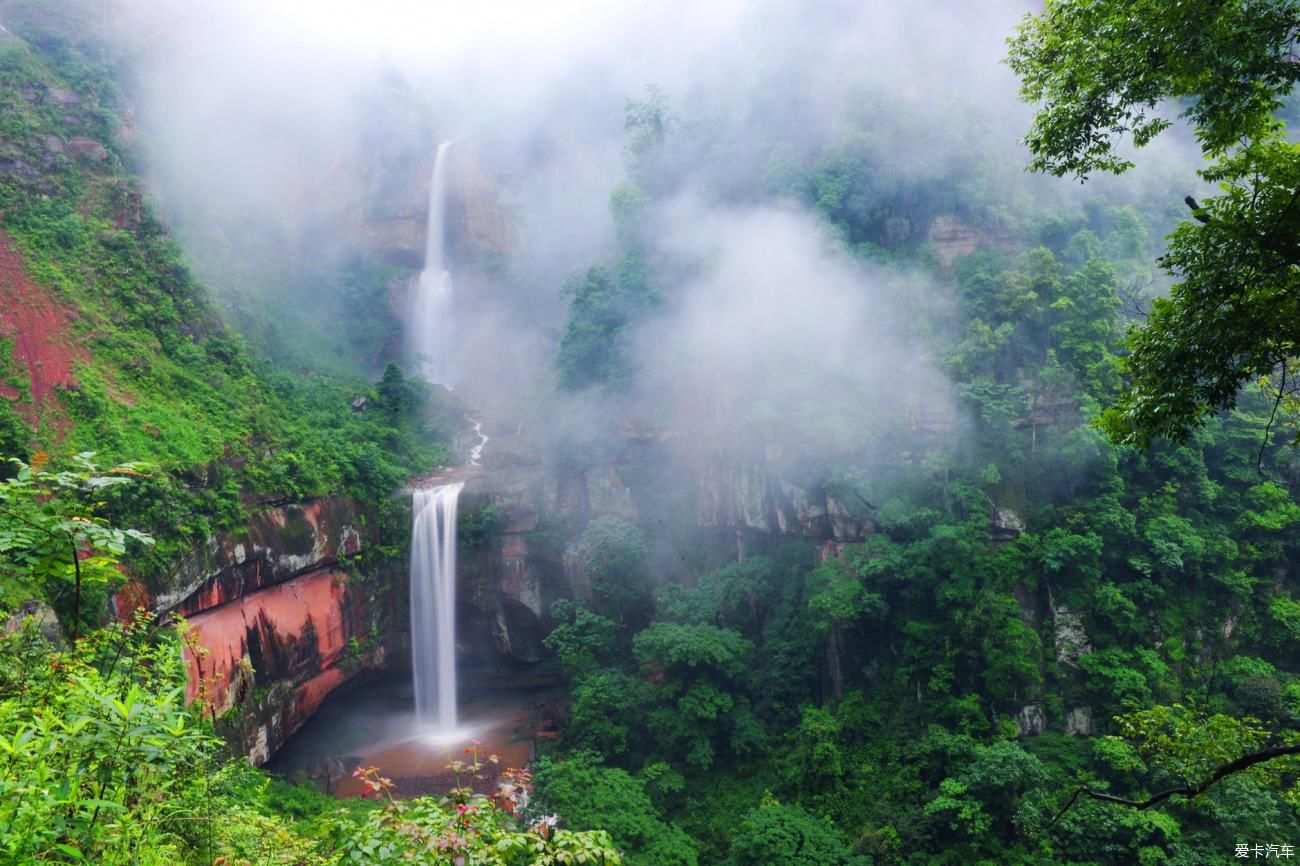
[
  {"x": 1245, "y": 762},
  {"x": 1268, "y": 428}
]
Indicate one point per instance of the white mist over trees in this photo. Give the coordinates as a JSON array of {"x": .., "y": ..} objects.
[{"x": 265, "y": 128}]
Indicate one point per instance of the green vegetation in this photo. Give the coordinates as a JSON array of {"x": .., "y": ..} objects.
[
  {"x": 105, "y": 764},
  {"x": 937, "y": 694},
  {"x": 55, "y": 545},
  {"x": 1099, "y": 71},
  {"x": 157, "y": 377}
]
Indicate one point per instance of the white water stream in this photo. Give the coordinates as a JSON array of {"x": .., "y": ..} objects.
[
  {"x": 476, "y": 453},
  {"x": 433, "y": 607}
]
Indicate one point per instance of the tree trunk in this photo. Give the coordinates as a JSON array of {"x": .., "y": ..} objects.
[
  {"x": 76, "y": 591},
  {"x": 834, "y": 670}
]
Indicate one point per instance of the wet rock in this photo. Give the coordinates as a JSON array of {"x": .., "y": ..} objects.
[
  {"x": 289, "y": 641},
  {"x": 1078, "y": 722},
  {"x": 1031, "y": 721},
  {"x": 844, "y": 525},
  {"x": 480, "y": 225},
  {"x": 1004, "y": 524},
  {"x": 952, "y": 238},
  {"x": 750, "y": 497},
  {"x": 607, "y": 494},
  {"x": 398, "y": 241},
  {"x": 518, "y": 631},
  {"x": 276, "y": 626},
  {"x": 280, "y": 543},
  {"x": 43, "y": 619},
  {"x": 1071, "y": 640}
]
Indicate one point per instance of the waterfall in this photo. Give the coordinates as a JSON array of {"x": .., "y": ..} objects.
[
  {"x": 432, "y": 330},
  {"x": 433, "y": 606}
]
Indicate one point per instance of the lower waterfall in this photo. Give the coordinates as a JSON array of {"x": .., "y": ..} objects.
[{"x": 433, "y": 606}]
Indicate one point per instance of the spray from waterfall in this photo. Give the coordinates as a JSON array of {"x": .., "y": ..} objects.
[
  {"x": 433, "y": 317},
  {"x": 433, "y": 606}
]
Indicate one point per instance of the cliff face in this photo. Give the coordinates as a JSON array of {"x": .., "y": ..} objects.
[
  {"x": 277, "y": 623},
  {"x": 717, "y": 509}
]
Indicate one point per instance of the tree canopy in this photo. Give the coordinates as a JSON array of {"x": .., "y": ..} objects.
[{"x": 1101, "y": 71}]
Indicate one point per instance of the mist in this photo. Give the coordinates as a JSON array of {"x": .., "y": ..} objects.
[{"x": 277, "y": 139}]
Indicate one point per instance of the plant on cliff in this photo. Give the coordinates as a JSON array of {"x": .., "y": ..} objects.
[
  {"x": 464, "y": 829},
  {"x": 587, "y": 794},
  {"x": 614, "y": 554},
  {"x": 55, "y": 543}
]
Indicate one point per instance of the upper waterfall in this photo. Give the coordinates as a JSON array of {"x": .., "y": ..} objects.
[{"x": 432, "y": 329}]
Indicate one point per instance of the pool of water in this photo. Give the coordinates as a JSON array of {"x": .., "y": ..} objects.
[{"x": 372, "y": 724}]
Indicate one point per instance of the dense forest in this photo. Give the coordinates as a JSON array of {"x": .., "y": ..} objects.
[{"x": 1046, "y": 431}]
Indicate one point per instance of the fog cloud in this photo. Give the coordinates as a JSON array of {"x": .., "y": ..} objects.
[{"x": 269, "y": 126}]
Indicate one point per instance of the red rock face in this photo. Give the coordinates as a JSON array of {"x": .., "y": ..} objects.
[
  {"x": 294, "y": 627},
  {"x": 271, "y": 618},
  {"x": 293, "y": 634}
]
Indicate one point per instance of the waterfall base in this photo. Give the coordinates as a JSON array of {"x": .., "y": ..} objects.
[{"x": 373, "y": 724}]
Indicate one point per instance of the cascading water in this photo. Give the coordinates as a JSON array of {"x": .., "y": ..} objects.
[
  {"x": 432, "y": 330},
  {"x": 476, "y": 453},
  {"x": 433, "y": 606}
]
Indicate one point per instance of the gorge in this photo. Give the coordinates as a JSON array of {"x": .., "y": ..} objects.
[{"x": 650, "y": 435}]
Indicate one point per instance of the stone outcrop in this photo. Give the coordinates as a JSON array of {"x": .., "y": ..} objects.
[
  {"x": 393, "y": 224},
  {"x": 280, "y": 543},
  {"x": 952, "y": 238},
  {"x": 1004, "y": 524},
  {"x": 480, "y": 226},
  {"x": 1071, "y": 640},
  {"x": 289, "y": 639},
  {"x": 749, "y": 498},
  {"x": 1078, "y": 722},
  {"x": 533, "y": 554},
  {"x": 1031, "y": 720},
  {"x": 509, "y": 581}
]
